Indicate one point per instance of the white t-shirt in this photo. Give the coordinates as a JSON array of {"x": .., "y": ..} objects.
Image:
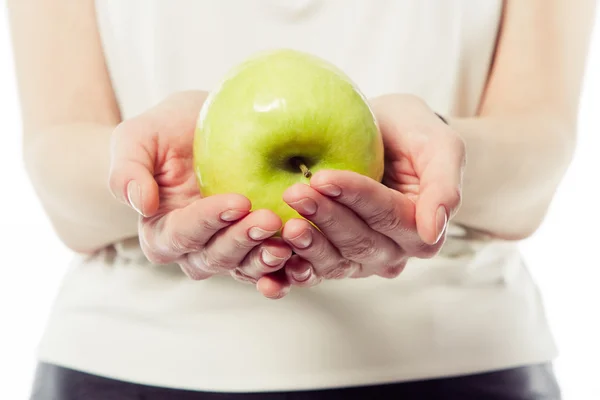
[{"x": 473, "y": 308}]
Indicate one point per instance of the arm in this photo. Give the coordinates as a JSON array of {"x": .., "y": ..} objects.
[
  {"x": 522, "y": 141},
  {"x": 69, "y": 112}
]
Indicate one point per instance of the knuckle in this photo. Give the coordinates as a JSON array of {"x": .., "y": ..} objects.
[
  {"x": 326, "y": 218},
  {"x": 384, "y": 220},
  {"x": 195, "y": 276},
  {"x": 154, "y": 254},
  {"x": 342, "y": 270},
  {"x": 241, "y": 243},
  {"x": 181, "y": 243},
  {"x": 209, "y": 224},
  {"x": 392, "y": 271},
  {"x": 335, "y": 273},
  {"x": 356, "y": 201},
  {"x": 193, "y": 273},
  {"x": 359, "y": 248},
  {"x": 218, "y": 261},
  {"x": 317, "y": 255}
]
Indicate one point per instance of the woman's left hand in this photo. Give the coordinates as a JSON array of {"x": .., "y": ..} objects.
[{"x": 370, "y": 228}]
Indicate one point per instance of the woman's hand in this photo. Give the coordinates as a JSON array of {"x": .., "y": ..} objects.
[
  {"x": 368, "y": 228},
  {"x": 152, "y": 172}
]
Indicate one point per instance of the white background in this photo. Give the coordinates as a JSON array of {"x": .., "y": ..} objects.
[{"x": 563, "y": 255}]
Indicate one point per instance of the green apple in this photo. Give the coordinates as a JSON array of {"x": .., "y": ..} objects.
[{"x": 276, "y": 119}]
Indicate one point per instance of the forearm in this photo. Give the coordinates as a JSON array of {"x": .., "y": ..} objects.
[
  {"x": 68, "y": 167},
  {"x": 514, "y": 166}
]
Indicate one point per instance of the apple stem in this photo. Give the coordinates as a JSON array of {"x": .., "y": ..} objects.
[
  {"x": 298, "y": 162},
  {"x": 305, "y": 171}
]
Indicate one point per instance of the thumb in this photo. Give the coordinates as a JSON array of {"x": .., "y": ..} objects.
[
  {"x": 133, "y": 157},
  {"x": 440, "y": 194}
]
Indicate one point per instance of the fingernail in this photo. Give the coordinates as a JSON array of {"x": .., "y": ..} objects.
[
  {"x": 259, "y": 234},
  {"x": 303, "y": 240},
  {"x": 134, "y": 196},
  {"x": 302, "y": 276},
  {"x": 441, "y": 220},
  {"x": 270, "y": 259},
  {"x": 232, "y": 215},
  {"x": 330, "y": 190},
  {"x": 305, "y": 206}
]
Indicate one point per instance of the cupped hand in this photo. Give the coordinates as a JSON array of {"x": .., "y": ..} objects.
[
  {"x": 425, "y": 161},
  {"x": 364, "y": 229},
  {"x": 152, "y": 172},
  {"x": 368, "y": 228}
]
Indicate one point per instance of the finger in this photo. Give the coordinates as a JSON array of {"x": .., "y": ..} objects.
[
  {"x": 193, "y": 272},
  {"x": 131, "y": 176},
  {"x": 229, "y": 246},
  {"x": 310, "y": 244},
  {"x": 391, "y": 271},
  {"x": 354, "y": 239},
  {"x": 274, "y": 286},
  {"x": 440, "y": 189},
  {"x": 383, "y": 209},
  {"x": 264, "y": 259},
  {"x": 190, "y": 228},
  {"x": 301, "y": 273}
]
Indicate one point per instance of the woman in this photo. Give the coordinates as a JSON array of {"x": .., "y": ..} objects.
[{"x": 412, "y": 288}]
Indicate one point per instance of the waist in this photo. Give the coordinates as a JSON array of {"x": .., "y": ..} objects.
[{"x": 447, "y": 315}]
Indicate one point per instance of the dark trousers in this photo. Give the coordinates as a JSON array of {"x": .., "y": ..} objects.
[{"x": 536, "y": 382}]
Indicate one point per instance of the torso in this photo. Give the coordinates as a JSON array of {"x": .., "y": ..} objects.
[{"x": 473, "y": 308}]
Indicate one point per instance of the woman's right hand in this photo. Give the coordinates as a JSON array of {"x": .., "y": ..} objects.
[{"x": 152, "y": 172}]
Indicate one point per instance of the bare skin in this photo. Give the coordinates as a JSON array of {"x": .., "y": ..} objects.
[{"x": 517, "y": 149}]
